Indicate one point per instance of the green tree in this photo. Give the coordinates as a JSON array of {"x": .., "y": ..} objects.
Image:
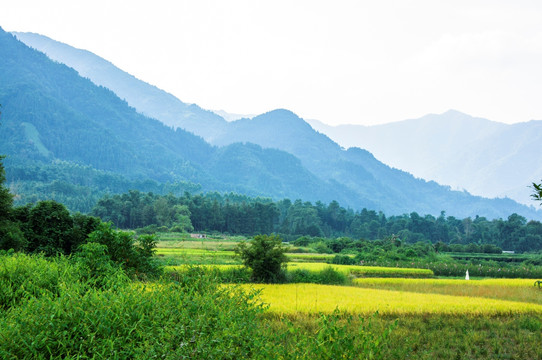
[
  {"x": 537, "y": 194},
  {"x": 6, "y": 199},
  {"x": 49, "y": 228},
  {"x": 11, "y": 236},
  {"x": 182, "y": 219},
  {"x": 135, "y": 258},
  {"x": 265, "y": 255}
]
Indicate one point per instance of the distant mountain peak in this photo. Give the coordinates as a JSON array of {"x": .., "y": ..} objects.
[{"x": 281, "y": 113}]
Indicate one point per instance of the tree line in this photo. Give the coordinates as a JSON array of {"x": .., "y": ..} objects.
[
  {"x": 48, "y": 228},
  {"x": 238, "y": 214}
]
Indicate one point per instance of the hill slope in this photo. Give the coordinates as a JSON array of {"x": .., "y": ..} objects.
[
  {"x": 325, "y": 171},
  {"x": 146, "y": 98},
  {"x": 54, "y": 120}
]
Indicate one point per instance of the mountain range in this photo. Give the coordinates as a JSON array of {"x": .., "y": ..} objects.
[
  {"x": 484, "y": 157},
  {"x": 54, "y": 114}
]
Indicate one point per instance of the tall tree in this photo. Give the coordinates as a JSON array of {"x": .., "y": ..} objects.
[
  {"x": 11, "y": 236},
  {"x": 6, "y": 199}
]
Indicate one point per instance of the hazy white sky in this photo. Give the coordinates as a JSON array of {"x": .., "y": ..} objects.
[{"x": 363, "y": 62}]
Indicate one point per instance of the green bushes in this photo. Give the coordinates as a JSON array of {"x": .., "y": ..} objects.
[
  {"x": 327, "y": 275},
  {"x": 190, "y": 318},
  {"x": 135, "y": 259},
  {"x": 265, "y": 256},
  {"x": 86, "y": 308},
  {"x": 23, "y": 277}
]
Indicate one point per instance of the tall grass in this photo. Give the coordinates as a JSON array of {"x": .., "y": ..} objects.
[
  {"x": 191, "y": 317},
  {"x": 187, "y": 315},
  {"x": 23, "y": 277}
]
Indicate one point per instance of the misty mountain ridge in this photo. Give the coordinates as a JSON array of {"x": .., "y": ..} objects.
[
  {"x": 147, "y": 99},
  {"x": 484, "y": 157},
  {"x": 323, "y": 170}
]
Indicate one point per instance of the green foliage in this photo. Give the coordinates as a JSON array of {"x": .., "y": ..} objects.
[
  {"x": 49, "y": 226},
  {"x": 6, "y": 199},
  {"x": 169, "y": 320},
  {"x": 306, "y": 224},
  {"x": 122, "y": 249},
  {"x": 343, "y": 260},
  {"x": 23, "y": 277},
  {"x": 265, "y": 256},
  {"x": 333, "y": 337},
  {"x": 94, "y": 266},
  {"x": 537, "y": 192},
  {"x": 327, "y": 276},
  {"x": 11, "y": 237}
]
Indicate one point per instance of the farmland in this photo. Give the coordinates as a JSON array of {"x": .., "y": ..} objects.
[
  {"x": 206, "y": 305},
  {"x": 429, "y": 317}
]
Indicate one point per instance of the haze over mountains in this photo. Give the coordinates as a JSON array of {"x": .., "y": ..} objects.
[
  {"x": 484, "y": 157},
  {"x": 289, "y": 159}
]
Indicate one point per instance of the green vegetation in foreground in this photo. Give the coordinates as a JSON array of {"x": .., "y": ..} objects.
[
  {"x": 437, "y": 336},
  {"x": 70, "y": 311},
  {"x": 60, "y": 313}
]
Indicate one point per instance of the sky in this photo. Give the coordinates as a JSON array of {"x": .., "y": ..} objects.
[{"x": 340, "y": 62}]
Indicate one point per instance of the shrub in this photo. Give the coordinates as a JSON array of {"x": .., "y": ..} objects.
[
  {"x": 330, "y": 276},
  {"x": 49, "y": 227},
  {"x": 321, "y": 248},
  {"x": 343, "y": 260},
  {"x": 301, "y": 276},
  {"x": 94, "y": 265},
  {"x": 265, "y": 255},
  {"x": 122, "y": 249}
]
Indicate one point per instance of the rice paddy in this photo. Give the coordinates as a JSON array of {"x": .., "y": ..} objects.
[
  {"x": 388, "y": 291},
  {"x": 313, "y": 298}
]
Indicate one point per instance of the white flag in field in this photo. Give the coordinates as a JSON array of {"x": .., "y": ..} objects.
[{"x": 467, "y": 276}]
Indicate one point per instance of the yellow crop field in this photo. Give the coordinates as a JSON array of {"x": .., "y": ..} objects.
[
  {"x": 312, "y": 298},
  {"x": 519, "y": 283},
  {"x": 503, "y": 289},
  {"x": 358, "y": 271}
]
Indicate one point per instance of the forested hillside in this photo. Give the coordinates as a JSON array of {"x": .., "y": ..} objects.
[
  {"x": 147, "y": 99},
  {"x": 62, "y": 132}
]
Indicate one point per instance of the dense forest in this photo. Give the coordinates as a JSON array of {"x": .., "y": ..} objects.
[{"x": 239, "y": 214}]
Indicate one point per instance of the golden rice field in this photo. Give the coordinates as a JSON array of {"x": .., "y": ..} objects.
[
  {"x": 503, "y": 289},
  {"x": 311, "y": 298}
]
